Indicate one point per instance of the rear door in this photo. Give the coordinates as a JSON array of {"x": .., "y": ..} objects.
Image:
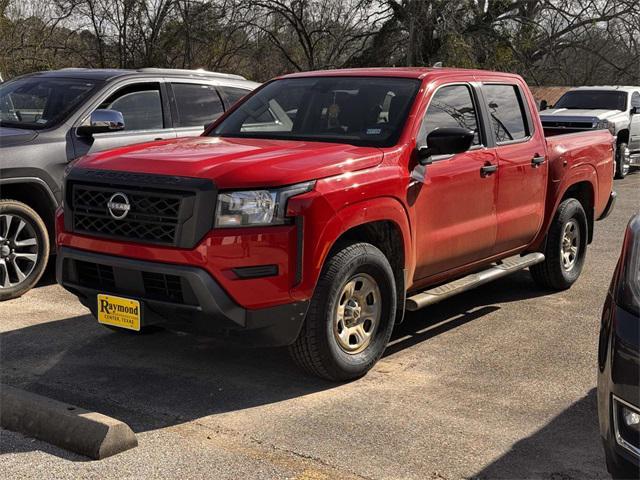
[
  {"x": 454, "y": 205},
  {"x": 194, "y": 105},
  {"x": 634, "y": 128},
  {"x": 144, "y": 107},
  {"x": 522, "y": 179}
]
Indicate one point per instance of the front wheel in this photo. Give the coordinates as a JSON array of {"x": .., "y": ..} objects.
[
  {"x": 623, "y": 160},
  {"x": 566, "y": 248},
  {"x": 24, "y": 248},
  {"x": 351, "y": 315}
]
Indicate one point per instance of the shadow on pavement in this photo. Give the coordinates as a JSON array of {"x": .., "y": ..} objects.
[
  {"x": 167, "y": 378},
  {"x": 568, "y": 439}
]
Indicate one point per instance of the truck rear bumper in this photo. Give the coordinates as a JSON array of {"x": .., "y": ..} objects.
[
  {"x": 178, "y": 296},
  {"x": 610, "y": 204}
]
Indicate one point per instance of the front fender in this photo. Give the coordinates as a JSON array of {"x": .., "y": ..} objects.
[{"x": 324, "y": 226}]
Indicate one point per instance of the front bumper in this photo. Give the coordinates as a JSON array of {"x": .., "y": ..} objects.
[{"x": 178, "y": 296}]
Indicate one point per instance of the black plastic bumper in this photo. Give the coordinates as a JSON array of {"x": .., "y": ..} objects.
[
  {"x": 610, "y": 204},
  {"x": 178, "y": 296}
]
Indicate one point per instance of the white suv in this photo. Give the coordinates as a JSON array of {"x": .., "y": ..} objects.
[{"x": 615, "y": 108}]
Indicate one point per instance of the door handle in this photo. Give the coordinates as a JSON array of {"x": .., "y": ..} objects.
[
  {"x": 537, "y": 161},
  {"x": 487, "y": 170},
  {"x": 158, "y": 138}
]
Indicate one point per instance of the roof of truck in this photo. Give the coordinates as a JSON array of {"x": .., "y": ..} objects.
[
  {"x": 404, "y": 72},
  {"x": 622, "y": 88}
]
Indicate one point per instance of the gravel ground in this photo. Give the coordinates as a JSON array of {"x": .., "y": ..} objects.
[{"x": 496, "y": 383}]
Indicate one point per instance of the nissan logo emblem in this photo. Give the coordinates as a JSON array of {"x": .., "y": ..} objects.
[{"x": 118, "y": 205}]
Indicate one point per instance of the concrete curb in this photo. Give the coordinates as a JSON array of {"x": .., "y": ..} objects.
[{"x": 81, "y": 431}]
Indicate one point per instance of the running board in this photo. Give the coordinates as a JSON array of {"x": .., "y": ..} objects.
[
  {"x": 498, "y": 270},
  {"x": 635, "y": 160}
]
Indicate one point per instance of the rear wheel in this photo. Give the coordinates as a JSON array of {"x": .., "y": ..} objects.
[
  {"x": 623, "y": 160},
  {"x": 24, "y": 248},
  {"x": 351, "y": 315},
  {"x": 565, "y": 249}
]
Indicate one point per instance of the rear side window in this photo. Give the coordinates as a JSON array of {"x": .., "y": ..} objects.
[
  {"x": 450, "y": 106},
  {"x": 232, "y": 94},
  {"x": 197, "y": 104},
  {"x": 506, "y": 109}
]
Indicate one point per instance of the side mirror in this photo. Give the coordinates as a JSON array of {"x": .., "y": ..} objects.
[
  {"x": 446, "y": 141},
  {"x": 543, "y": 105},
  {"x": 635, "y": 110},
  {"x": 102, "y": 121}
]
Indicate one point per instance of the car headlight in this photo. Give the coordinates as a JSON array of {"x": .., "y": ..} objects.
[
  {"x": 248, "y": 208},
  {"x": 606, "y": 125}
]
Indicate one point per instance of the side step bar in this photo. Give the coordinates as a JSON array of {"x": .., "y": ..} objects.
[
  {"x": 635, "y": 160},
  {"x": 498, "y": 270}
]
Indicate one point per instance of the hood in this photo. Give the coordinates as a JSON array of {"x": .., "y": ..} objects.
[
  {"x": 237, "y": 163},
  {"x": 571, "y": 115},
  {"x": 15, "y": 136}
]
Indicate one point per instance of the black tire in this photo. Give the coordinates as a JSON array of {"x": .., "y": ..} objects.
[
  {"x": 317, "y": 350},
  {"x": 552, "y": 273},
  {"x": 622, "y": 162},
  {"x": 13, "y": 286}
]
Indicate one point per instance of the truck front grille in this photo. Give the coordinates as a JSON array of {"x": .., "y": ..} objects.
[
  {"x": 152, "y": 217},
  {"x": 162, "y": 210}
]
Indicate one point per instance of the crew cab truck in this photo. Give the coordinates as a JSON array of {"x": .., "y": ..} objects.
[
  {"x": 615, "y": 108},
  {"x": 325, "y": 204}
]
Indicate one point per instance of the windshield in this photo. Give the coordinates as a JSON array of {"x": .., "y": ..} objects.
[
  {"x": 593, "y": 100},
  {"x": 37, "y": 102},
  {"x": 366, "y": 111}
]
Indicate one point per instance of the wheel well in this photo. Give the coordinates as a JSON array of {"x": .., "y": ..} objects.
[
  {"x": 386, "y": 236},
  {"x": 583, "y": 192},
  {"x": 37, "y": 198},
  {"x": 623, "y": 136}
]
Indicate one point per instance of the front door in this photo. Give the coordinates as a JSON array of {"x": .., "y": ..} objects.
[
  {"x": 454, "y": 206},
  {"x": 145, "y": 119},
  {"x": 523, "y": 167}
]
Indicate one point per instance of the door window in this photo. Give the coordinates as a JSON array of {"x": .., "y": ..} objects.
[
  {"x": 451, "y": 106},
  {"x": 233, "y": 94},
  {"x": 140, "y": 105},
  {"x": 635, "y": 100},
  {"x": 197, "y": 104},
  {"x": 507, "y": 112}
]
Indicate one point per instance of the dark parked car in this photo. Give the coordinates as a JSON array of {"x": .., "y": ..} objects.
[
  {"x": 619, "y": 362},
  {"x": 48, "y": 119}
]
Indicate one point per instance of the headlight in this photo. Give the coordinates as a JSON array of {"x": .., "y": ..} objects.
[
  {"x": 256, "y": 207},
  {"x": 628, "y": 294},
  {"x": 605, "y": 125}
]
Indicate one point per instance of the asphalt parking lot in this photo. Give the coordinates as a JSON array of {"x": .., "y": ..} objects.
[{"x": 495, "y": 383}]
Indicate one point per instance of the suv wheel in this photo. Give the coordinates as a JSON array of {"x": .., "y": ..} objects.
[
  {"x": 351, "y": 315},
  {"x": 623, "y": 160},
  {"x": 24, "y": 248},
  {"x": 565, "y": 249}
]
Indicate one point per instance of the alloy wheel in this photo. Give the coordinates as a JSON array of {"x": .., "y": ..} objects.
[
  {"x": 18, "y": 250},
  {"x": 570, "y": 244}
]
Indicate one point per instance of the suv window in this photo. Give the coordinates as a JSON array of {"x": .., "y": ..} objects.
[
  {"x": 140, "y": 105},
  {"x": 197, "y": 104},
  {"x": 507, "y": 113},
  {"x": 232, "y": 94},
  {"x": 451, "y": 106}
]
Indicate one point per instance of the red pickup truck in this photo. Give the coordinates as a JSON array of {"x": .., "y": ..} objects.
[{"x": 325, "y": 204}]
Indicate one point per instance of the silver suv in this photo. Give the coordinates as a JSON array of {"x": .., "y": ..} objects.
[
  {"x": 614, "y": 108},
  {"x": 47, "y": 119}
]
